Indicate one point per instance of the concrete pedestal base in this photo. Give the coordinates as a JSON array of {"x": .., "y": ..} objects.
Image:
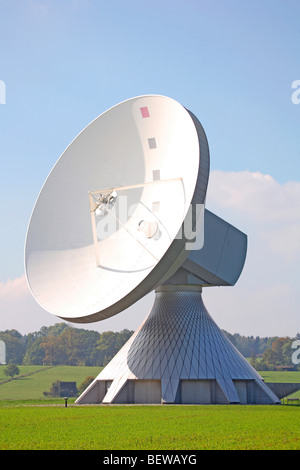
[{"x": 178, "y": 355}]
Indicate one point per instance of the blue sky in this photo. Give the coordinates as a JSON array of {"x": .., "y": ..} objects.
[{"x": 64, "y": 62}]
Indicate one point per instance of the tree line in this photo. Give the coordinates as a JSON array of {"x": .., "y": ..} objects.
[{"x": 62, "y": 344}]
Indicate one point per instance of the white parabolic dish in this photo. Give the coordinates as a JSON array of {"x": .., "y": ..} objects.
[{"x": 106, "y": 228}]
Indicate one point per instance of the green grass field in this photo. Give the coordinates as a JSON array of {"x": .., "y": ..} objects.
[
  {"x": 150, "y": 427},
  {"x": 29, "y": 421}
]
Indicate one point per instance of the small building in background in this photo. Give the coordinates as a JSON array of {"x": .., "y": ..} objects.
[{"x": 68, "y": 389}]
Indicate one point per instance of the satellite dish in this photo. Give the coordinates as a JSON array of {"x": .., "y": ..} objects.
[
  {"x": 113, "y": 217},
  {"x": 118, "y": 217}
]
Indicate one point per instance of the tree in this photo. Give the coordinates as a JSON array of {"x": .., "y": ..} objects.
[
  {"x": 278, "y": 354},
  {"x": 79, "y": 345},
  {"x": 15, "y": 346},
  {"x": 87, "y": 381},
  {"x": 54, "y": 330},
  {"x": 110, "y": 343},
  {"x": 35, "y": 353},
  {"x": 253, "y": 360},
  {"x": 54, "y": 390},
  {"x": 54, "y": 351},
  {"x": 11, "y": 370}
]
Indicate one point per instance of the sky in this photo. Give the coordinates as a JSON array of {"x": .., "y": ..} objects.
[{"x": 235, "y": 64}]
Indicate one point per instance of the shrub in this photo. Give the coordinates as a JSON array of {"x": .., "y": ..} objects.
[
  {"x": 11, "y": 370},
  {"x": 87, "y": 381}
]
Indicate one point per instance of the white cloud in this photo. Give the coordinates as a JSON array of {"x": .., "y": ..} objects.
[
  {"x": 256, "y": 195},
  {"x": 19, "y": 310},
  {"x": 265, "y": 300},
  {"x": 12, "y": 288}
]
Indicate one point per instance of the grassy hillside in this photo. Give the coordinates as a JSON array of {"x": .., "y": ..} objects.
[
  {"x": 34, "y": 380},
  {"x": 286, "y": 376}
]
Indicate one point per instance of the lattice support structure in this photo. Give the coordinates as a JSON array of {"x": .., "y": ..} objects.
[{"x": 178, "y": 355}]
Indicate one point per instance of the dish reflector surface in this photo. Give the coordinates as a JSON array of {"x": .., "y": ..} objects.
[{"x": 106, "y": 227}]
